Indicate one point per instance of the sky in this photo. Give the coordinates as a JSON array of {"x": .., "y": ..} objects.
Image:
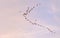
[{"x": 13, "y": 24}]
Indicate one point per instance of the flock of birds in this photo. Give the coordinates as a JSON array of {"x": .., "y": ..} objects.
[{"x": 28, "y": 11}]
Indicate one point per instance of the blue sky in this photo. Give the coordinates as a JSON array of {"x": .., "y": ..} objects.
[{"x": 13, "y": 24}]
